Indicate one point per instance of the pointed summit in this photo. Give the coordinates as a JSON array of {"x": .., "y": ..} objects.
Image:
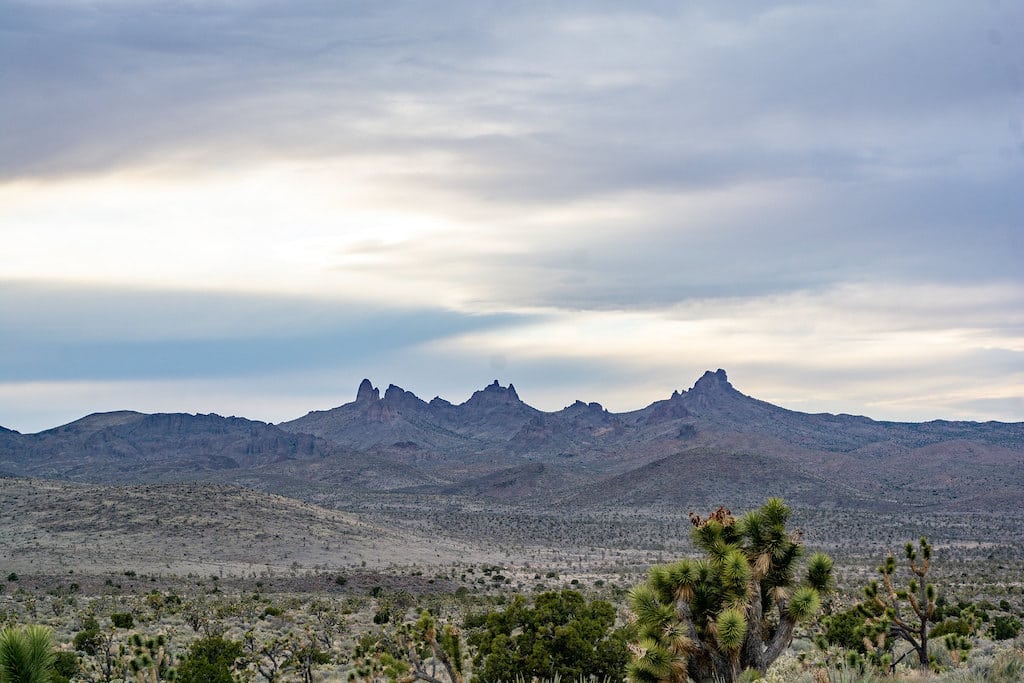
[
  {"x": 711, "y": 381},
  {"x": 367, "y": 392},
  {"x": 494, "y": 394}
]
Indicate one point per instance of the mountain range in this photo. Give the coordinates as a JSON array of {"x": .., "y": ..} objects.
[{"x": 702, "y": 446}]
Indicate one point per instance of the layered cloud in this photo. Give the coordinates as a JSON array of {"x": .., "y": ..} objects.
[{"x": 602, "y": 201}]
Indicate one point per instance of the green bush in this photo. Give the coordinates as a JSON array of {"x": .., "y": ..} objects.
[
  {"x": 1004, "y": 628},
  {"x": 88, "y": 639},
  {"x": 210, "y": 660},
  {"x": 122, "y": 620},
  {"x": 960, "y": 627},
  {"x": 561, "y": 634},
  {"x": 65, "y": 667},
  {"x": 845, "y": 629}
]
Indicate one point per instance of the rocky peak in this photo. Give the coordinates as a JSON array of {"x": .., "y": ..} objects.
[
  {"x": 395, "y": 393},
  {"x": 712, "y": 382},
  {"x": 580, "y": 407},
  {"x": 367, "y": 392},
  {"x": 399, "y": 397},
  {"x": 494, "y": 393},
  {"x": 713, "y": 392}
]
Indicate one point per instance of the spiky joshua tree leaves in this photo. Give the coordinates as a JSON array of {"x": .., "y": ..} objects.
[
  {"x": 26, "y": 655},
  {"x": 734, "y": 609}
]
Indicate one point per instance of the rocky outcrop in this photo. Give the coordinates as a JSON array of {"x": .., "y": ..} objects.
[{"x": 367, "y": 393}]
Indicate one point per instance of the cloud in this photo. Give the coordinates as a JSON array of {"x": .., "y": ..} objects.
[
  {"x": 604, "y": 95},
  {"x": 57, "y": 332},
  {"x": 591, "y": 193}
]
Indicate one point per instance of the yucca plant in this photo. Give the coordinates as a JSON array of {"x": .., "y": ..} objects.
[
  {"x": 26, "y": 655},
  {"x": 733, "y": 610},
  {"x": 901, "y": 613}
]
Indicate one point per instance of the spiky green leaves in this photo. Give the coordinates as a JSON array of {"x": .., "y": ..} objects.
[
  {"x": 731, "y": 629},
  {"x": 735, "y": 568},
  {"x": 650, "y": 660},
  {"x": 26, "y": 655},
  {"x": 709, "y": 537},
  {"x": 651, "y": 614},
  {"x": 775, "y": 512},
  {"x": 804, "y": 604},
  {"x": 819, "y": 572},
  {"x": 659, "y": 579}
]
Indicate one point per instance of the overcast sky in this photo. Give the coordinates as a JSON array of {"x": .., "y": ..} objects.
[{"x": 247, "y": 207}]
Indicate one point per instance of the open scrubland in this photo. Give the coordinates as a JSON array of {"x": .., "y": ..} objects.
[
  {"x": 310, "y": 550},
  {"x": 188, "y": 560}
]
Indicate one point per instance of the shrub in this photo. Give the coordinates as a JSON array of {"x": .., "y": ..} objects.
[
  {"x": 65, "y": 667},
  {"x": 1005, "y": 627},
  {"x": 560, "y": 634},
  {"x": 89, "y": 639},
  {"x": 122, "y": 620},
  {"x": 210, "y": 660}
]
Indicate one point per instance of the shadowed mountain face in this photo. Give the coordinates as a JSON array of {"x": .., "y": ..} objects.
[{"x": 705, "y": 443}]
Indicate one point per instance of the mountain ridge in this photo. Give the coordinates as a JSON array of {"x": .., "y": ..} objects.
[{"x": 493, "y": 445}]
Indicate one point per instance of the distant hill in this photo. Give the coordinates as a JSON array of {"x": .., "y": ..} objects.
[
  {"x": 202, "y": 528},
  {"x": 130, "y": 446},
  {"x": 703, "y": 444}
]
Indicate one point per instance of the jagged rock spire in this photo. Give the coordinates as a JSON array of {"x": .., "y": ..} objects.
[{"x": 367, "y": 392}]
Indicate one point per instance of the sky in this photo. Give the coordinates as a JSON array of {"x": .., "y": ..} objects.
[{"x": 247, "y": 207}]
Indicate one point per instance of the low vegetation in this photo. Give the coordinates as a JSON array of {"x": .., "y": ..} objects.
[{"x": 743, "y": 601}]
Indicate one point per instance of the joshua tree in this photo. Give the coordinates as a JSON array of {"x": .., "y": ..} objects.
[
  {"x": 268, "y": 657},
  {"x": 26, "y": 655},
  {"x": 423, "y": 641},
  {"x": 910, "y": 622},
  {"x": 151, "y": 662},
  {"x": 735, "y": 609}
]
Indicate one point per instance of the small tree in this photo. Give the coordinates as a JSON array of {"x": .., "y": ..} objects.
[
  {"x": 735, "y": 609},
  {"x": 904, "y": 613}
]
